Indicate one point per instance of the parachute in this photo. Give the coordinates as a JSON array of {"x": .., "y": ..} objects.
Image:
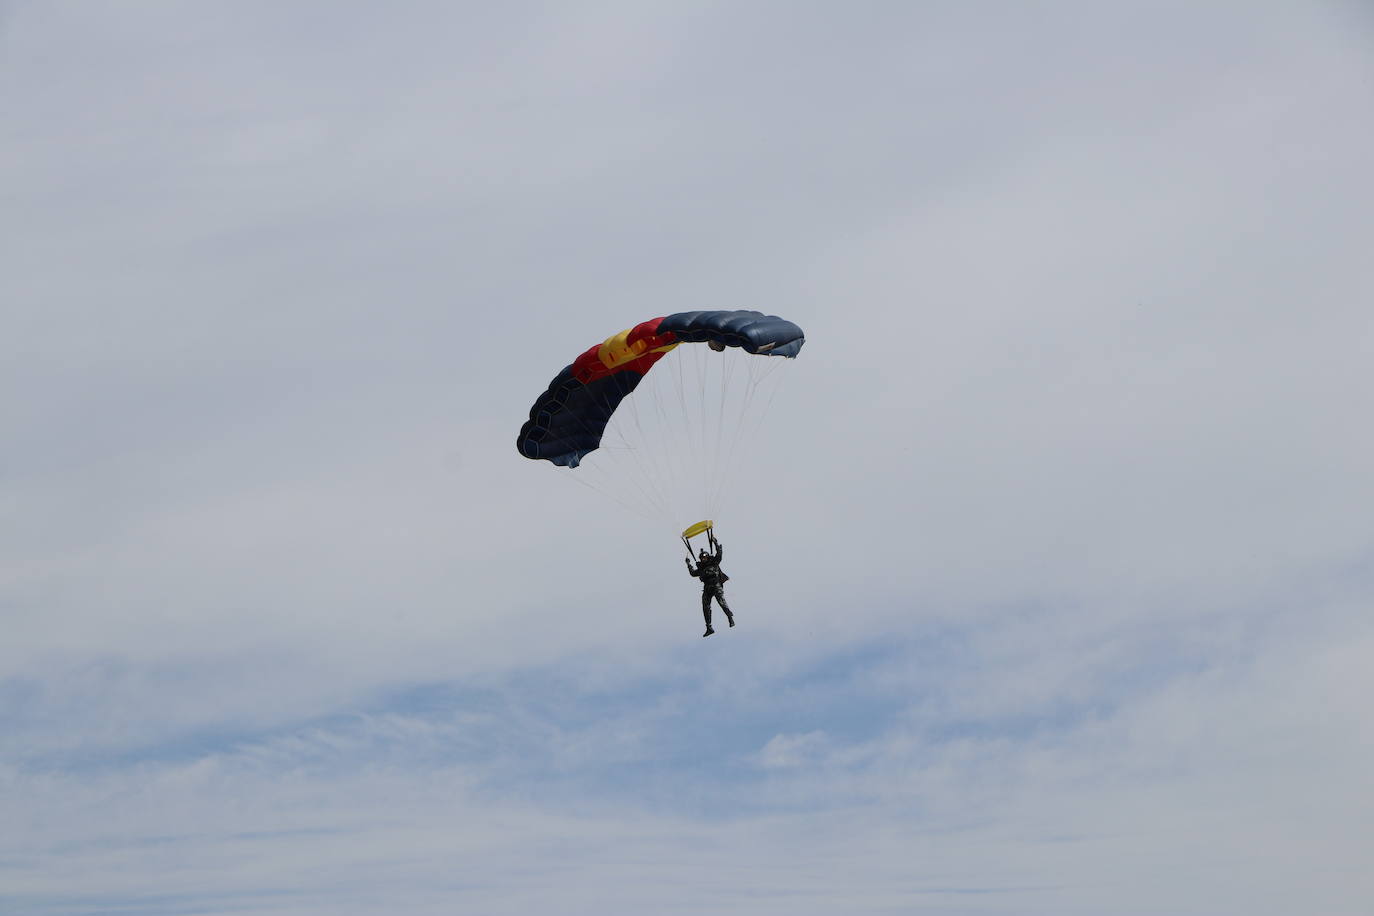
[
  {"x": 683, "y": 438},
  {"x": 567, "y": 420}
]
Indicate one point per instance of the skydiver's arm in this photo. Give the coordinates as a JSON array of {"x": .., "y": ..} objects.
[{"x": 720, "y": 551}]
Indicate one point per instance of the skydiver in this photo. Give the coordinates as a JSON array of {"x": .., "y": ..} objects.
[{"x": 713, "y": 580}]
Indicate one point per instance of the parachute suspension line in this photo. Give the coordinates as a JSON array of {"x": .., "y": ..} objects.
[
  {"x": 674, "y": 439},
  {"x": 646, "y": 455},
  {"x": 725, "y": 458},
  {"x": 690, "y": 445},
  {"x": 727, "y": 363},
  {"x": 659, "y": 441},
  {"x": 691, "y": 378},
  {"x": 652, "y": 442},
  {"x": 626, "y": 463},
  {"x": 763, "y": 414},
  {"x": 580, "y": 476},
  {"x": 573, "y": 475},
  {"x": 702, "y": 452},
  {"x": 726, "y": 453},
  {"x": 640, "y": 458},
  {"x": 743, "y": 398},
  {"x": 744, "y": 441},
  {"x": 726, "y": 372}
]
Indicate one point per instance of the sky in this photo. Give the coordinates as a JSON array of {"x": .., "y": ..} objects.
[{"x": 1053, "y": 561}]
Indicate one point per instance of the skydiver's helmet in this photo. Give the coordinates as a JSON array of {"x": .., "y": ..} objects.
[{"x": 704, "y": 556}]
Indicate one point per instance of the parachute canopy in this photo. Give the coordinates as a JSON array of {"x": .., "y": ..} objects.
[{"x": 567, "y": 421}]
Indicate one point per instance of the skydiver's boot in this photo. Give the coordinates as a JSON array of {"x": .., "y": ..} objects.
[
  {"x": 730, "y": 617},
  {"x": 709, "y": 631}
]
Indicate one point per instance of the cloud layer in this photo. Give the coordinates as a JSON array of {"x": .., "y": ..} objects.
[{"x": 1065, "y": 605}]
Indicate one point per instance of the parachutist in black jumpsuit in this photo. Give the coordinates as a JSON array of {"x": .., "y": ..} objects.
[{"x": 713, "y": 580}]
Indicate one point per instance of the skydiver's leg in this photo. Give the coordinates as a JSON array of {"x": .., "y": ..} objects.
[
  {"x": 706, "y": 610},
  {"x": 720, "y": 597}
]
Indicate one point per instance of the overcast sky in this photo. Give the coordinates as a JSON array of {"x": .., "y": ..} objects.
[{"x": 1054, "y": 564}]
